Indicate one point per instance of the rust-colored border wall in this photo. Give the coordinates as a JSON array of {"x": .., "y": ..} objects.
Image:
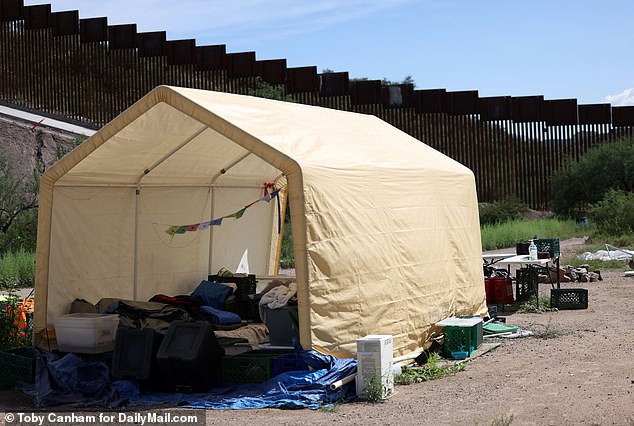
[{"x": 88, "y": 71}]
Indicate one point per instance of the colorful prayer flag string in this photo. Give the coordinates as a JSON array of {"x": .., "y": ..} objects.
[{"x": 181, "y": 229}]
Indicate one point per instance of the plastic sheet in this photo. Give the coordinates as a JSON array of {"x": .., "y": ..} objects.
[
  {"x": 69, "y": 380},
  {"x": 608, "y": 252}
]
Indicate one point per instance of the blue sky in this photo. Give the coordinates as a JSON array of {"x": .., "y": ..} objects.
[{"x": 557, "y": 48}]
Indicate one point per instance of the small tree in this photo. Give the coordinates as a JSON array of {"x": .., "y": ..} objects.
[
  {"x": 263, "y": 89},
  {"x": 407, "y": 80},
  {"x": 17, "y": 196}
]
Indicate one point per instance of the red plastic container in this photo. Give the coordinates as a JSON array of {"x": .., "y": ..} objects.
[{"x": 498, "y": 290}]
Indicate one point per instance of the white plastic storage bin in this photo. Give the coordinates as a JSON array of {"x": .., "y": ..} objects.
[{"x": 86, "y": 333}]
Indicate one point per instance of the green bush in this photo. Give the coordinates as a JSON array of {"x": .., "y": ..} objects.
[
  {"x": 501, "y": 211},
  {"x": 614, "y": 214},
  {"x": 17, "y": 270},
  {"x": 579, "y": 183},
  {"x": 262, "y": 89},
  {"x": 531, "y": 305},
  {"x": 434, "y": 369},
  {"x": 21, "y": 235},
  {"x": 287, "y": 256}
]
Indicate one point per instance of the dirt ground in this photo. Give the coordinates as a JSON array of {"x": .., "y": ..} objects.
[{"x": 578, "y": 368}]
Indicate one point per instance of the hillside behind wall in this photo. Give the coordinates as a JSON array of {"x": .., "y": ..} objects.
[{"x": 31, "y": 150}]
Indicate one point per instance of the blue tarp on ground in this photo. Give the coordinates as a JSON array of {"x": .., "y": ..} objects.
[{"x": 70, "y": 380}]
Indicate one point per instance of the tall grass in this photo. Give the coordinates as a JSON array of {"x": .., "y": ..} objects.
[
  {"x": 624, "y": 240},
  {"x": 508, "y": 234},
  {"x": 17, "y": 269}
]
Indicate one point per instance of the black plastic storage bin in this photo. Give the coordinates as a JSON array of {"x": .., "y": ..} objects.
[
  {"x": 190, "y": 357},
  {"x": 134, "y": 354},
  {"x": 521, "y": 248},
  {"x": 282, "y": 331}
]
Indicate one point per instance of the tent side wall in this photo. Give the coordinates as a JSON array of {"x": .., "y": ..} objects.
[{"x": 401, "y": 259}]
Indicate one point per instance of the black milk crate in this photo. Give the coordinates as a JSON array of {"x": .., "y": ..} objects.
[
  {"x": 246, "y": 308},
  {"x": 551, "y": 245},
  {"x": 246, "y": 285},
  {"x": 521, "y": 248},
  {"x": 525, "y": 283},
  {"x": 569, "y": 298}
]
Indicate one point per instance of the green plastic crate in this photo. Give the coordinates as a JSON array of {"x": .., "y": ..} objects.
[
  {"x": 249, "y": 367},
  {"x": 16, "y": 365},
  {"x": 462, "y": 339},
  {"x": 551, "y": 245}
]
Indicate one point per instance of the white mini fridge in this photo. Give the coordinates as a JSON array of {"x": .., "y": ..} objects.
[{"x": 375, "y": 379}]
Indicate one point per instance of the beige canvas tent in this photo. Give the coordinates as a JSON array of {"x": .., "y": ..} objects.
[{"x": 386, "y": 231}]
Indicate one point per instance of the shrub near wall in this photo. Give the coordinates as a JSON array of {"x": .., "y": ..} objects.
[
  {"x": 614, "y": 215},
  {"x": 17, "y": 270},
  {"x": 501, "y": 211},
  {"x": 583, "y": 182},
  {"x": 21, "y": 235}
]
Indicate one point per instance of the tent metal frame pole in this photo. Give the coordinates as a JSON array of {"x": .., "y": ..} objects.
[
  {"x": 211, "y": 230},
  {"x": 201, "y": 185},
  {"x": 212, "y": 186},
  {"x": 137, "y": 212},
  {"x": 172, "y": 152}
]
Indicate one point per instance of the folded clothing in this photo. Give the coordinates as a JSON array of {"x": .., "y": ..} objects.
[
  {"x": 213, "y": 294},
  {"x": 137, "y": 314},
  {"x": 218, "y": 316},
  {"x": 191, "y": 304}
]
